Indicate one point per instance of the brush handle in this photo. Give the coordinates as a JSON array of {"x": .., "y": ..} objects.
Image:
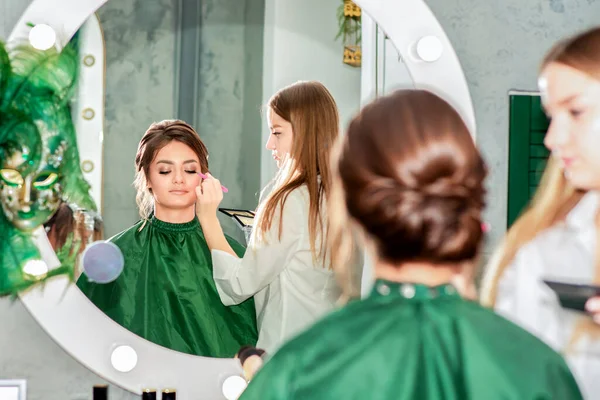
[{"x": 223, "y": 188}]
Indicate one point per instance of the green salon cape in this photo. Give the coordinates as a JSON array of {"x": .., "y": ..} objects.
[
  {"x": 167, "y": 295},
  {"x": 413, "y": 342}
]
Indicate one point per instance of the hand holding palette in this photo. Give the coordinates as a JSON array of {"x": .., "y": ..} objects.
[
  {"x": 244, "y": 218},
  {"x": 573, "y": 296}
]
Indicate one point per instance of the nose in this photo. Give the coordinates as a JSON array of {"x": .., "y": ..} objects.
[
  {"x": 271, "y": 142},
  {"x": 25, "y": 195},
  {"x": 178, "y": 177},
  {"x": 556, "y": 136}
]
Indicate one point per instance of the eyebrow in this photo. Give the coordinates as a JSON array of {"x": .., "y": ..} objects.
[
  {"x": 172, "y": 163},
  {"x": 563, "y": 102},
  {"x": 276, "y": 126},
  {"x": 569, "y": 99}
]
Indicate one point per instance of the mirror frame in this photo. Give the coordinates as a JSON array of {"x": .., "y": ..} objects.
[
  {"x": 85, "y": 332},
  {"x": 88, "y": 109}
]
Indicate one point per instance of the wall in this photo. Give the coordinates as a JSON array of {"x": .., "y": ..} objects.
[
  {"x": 300, "y": 45},
  {"x": 230, "y": 62},
  {"x": 10, "y": 11},
  {"x": 140, "y": 67}
]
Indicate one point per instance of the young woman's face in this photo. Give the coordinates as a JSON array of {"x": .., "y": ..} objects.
[
  {"x": 173, "y": 177},
  {"x": 281, "y": 137},
  {"x": 572, "y": 100}
]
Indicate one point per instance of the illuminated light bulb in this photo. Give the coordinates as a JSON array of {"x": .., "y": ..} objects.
[
  {"x": 36, "y": 268},
  {"x": 42, "y": 37},
  {"x": 233, "y": 387},
  {"x": 429, "y": 48},
  {"x": 124, "y": 358}
]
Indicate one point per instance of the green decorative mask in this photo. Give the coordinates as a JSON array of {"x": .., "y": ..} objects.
[
  {"x": 30, "y": 191},
  {"x": 39, "y": 159}
]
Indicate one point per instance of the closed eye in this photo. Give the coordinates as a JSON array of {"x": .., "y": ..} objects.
[
  {"x": 575, "y": 112},
  {"x": 191, "y": 172},
  {"x": 164, "y": 172}
]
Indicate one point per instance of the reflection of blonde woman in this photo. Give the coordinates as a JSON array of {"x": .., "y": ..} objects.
[
  {"x": 285, "y": 267},
  {"x": 557, "y": 237}
]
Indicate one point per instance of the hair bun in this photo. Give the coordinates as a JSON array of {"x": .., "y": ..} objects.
[
  {"x": 436, "y": 222},
  {"x": 413, "y": 179}
]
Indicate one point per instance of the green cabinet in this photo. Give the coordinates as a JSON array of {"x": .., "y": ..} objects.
[{"x": 527, "y": 154}]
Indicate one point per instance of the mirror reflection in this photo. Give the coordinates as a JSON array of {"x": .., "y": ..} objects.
[{"x": 186, "y": 114}]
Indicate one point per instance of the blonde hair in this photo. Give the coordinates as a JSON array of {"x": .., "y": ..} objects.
[
  {"x": 552, "y": 201},
  {"x": 313, "y": 114},
  {"x": 555, "y": 197}
]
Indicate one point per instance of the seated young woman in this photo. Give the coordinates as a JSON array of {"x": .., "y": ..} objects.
[{"x": 166, "y": 293}]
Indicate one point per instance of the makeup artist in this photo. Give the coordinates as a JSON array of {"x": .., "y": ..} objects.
[{"x": 285, "y": 267}]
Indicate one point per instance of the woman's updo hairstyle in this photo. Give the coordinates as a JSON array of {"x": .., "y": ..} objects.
[{"x": 412, "y": 178}]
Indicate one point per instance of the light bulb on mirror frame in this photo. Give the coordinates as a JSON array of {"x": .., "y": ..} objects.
[
  {"x": 36, "y": 268},
  {"x": 428, "y": 48},
  {"x": 124, "y": 358},
  {"x": 233, "y": 387},
  {"x": 42, "y": 37}
]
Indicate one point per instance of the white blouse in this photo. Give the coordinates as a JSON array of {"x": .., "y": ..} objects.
[
  {"x": 291, "y": 291},
  {"x": 565, "y": 252}
]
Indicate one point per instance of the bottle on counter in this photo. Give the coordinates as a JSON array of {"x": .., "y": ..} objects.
[
  {"x": 100, "y": 392},
  {"x": 148, "y": 394}
]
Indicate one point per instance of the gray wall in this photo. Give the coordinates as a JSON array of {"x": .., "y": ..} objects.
[
  {"x": 10, "y": 11},
  {"x": 140, "y": 65},
  {"x": 230, "y": 97}
]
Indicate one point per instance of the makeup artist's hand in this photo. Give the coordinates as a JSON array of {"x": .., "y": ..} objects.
[
  {"x": 593, "y": 307},
  {"x": 209, "y": 195}
]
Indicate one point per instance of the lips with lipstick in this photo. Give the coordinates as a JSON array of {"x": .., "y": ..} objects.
[
  {"x": 179, "y": 192},
  {"x": 567, "y": 161}
]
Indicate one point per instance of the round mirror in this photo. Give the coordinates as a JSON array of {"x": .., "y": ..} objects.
[{"x": 213, "y": 65}]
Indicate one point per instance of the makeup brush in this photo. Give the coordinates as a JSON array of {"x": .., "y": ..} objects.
[{"x": 225, "y": 190}]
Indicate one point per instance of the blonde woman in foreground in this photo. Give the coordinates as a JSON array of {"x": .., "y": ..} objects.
[{"x": 557, "y": 237}]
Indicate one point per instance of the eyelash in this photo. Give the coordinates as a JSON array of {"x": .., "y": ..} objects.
[
  {"x": 168, "y": 172},
  {"x": 276, "y": 133},
  {"x": 575, "y": 113}
]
